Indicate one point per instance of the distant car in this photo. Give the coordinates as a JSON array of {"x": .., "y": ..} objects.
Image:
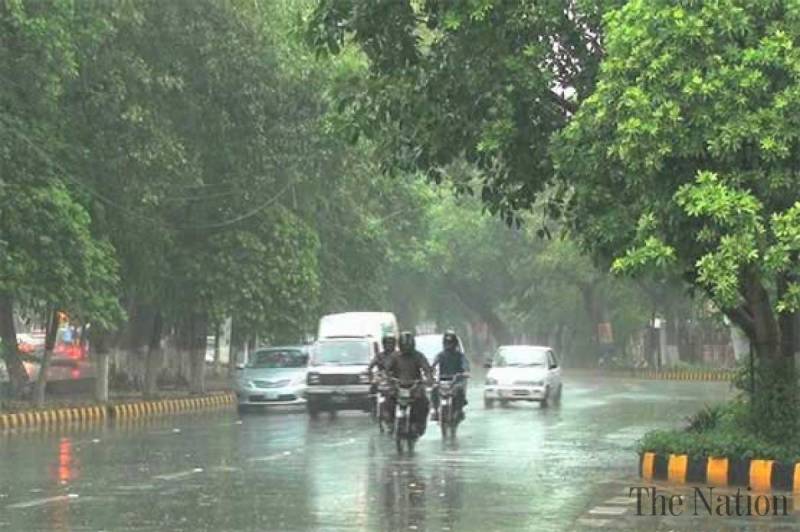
[
  {"x": 273, "y": 376},
  {"x": 63, "y": 374},
  {"x": 431, "y": 345},
  {"x": 523, "y": 373}
]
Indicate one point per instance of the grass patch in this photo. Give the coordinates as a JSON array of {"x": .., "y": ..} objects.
[{"x": 724, "y": 431}]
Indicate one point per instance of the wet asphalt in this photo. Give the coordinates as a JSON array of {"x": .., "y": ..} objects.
[{"x": 521, "y": 467}]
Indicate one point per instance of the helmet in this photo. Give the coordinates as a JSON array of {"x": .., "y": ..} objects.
[
  {"x": 449, "y": 339},
  {"x": 406, "y": 342},
  {"x": 389, "y": 342}
]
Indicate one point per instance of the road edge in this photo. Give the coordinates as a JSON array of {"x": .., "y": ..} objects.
[
  {"x": 756, "y": 474},
  {"x": 65, "y": 416}
]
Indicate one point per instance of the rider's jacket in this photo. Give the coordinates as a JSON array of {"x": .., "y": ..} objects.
[
  {"x": 408, "y": 367},
  {"x": 451, "y": 363},
  {"x": 381, "y": 360}
]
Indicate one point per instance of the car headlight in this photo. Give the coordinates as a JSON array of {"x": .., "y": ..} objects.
[
  {"x": 491, "y": 382},
  {"x": 297, "y": 381},
  {"x": 312, "y": 378},
  {"x": 246, "y": 384},
  {"x": 537, "y": 383}
]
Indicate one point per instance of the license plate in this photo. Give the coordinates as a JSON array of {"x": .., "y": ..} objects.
[
  {"x": 271, "y": 396},
  {"x": 404, "y": 393},
  {"x": 339, "y": 398}
]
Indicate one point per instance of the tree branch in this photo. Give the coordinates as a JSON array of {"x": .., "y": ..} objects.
[
  {"x": 742, "y": 318},
  {"x": 565, "y": 105}
]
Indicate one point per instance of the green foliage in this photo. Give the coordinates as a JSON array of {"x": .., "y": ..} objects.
[
  {"x": 723, "y": 432},
  {"x": 430, "y": 100},
  {"x": 683, "y": 129},
  {"x": 705, "y": 419}
]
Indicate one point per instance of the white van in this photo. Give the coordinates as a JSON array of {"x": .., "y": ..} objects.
[
  {"x": 358, "y": 324},
  {"x": 337, "y": 376}
]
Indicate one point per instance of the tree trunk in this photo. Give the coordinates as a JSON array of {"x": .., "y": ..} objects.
[
  {"x": 774, "y": 400},
  {"x": 8, "y": 334},
  {"x": 197, "y": 354},
  {"x": 499, "y": 330},
  {"x": 49, "y": 345},
  {"x": 100, "y": 349},
  {"x": 217, "y": 360},
  {"x": 154, "y": 354},
  {"x": 595, "y": 308}
]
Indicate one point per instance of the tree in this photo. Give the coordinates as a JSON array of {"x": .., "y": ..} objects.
[
  {"x": 691, "y": 137},
  {"x": 49, "y": 259},
  {"x": 486, "y": 81}
]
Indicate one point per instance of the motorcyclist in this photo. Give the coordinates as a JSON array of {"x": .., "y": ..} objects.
[
  {"x": 389, "y": 343},
  {"x": 381, "y": 360},
  {"x": 451, "y": 362},
  {"x": 408, "y": 366}
]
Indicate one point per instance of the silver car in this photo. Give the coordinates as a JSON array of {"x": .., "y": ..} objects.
[{"x": 273, "y": 376}]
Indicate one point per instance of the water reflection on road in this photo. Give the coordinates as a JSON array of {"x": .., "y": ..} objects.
[{"x": 515, "y": 468}]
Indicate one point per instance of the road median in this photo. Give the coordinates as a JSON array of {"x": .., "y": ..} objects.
[
  {"x": 65, "y": 416},
  {"x": 664, "y": 375}
]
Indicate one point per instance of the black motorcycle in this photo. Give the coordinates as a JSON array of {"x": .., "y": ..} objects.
[
  {"x": 381, "y": 406},
  {"x": 404, "y": 430},
  {"x": 449, "y": 412}
]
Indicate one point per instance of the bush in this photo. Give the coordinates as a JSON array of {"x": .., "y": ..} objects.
[{"x": 722, "y": 430}]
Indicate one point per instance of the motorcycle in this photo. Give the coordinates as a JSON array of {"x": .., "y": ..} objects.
[
  {"x": 404, "y": 430},
  {"x": 380, "y": 405},
  {"x": 449, "y": 412}
]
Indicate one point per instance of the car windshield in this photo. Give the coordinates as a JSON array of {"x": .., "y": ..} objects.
[
  {"x": 344, "y": 352},
  {"x": 278, "y": 358},
  {"x": 520, "y": 357}
]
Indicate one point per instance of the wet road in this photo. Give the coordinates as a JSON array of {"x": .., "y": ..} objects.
[{"x": 517, "y": 468}]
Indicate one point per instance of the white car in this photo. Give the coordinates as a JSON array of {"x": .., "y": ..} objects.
[{"x": 523, "y": 373}]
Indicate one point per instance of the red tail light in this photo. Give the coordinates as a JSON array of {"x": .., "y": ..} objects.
[{"x": 75, "y": 373}]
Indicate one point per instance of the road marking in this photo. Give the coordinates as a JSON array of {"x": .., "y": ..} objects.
[
  {"x": 270, "y": 457},
  {"x": 597, "y": 523},
  {"x": 42, "y": 502},
  {"x": 621, "y": 500},
  {"x": 339, "y": 444},
  {"x": 608, "y": 510},
  {"x": 225, "y": 469},
  {"x": 179, "y": 474}
]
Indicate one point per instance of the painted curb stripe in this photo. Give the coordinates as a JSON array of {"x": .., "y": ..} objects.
[
  {"x": 676, "y": 468},
  {"x": 646, "y": 467},
  {"x": 761, "y": 475},
  {"x": 717, "y": 471},
  {"x": 82, "y": 415}
]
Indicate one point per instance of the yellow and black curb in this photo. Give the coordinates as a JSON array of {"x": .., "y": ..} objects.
[
  {"x": 758, "y": 475},
  {"x": 68, "y": 416},
  {"x": 171, "y": 406},
  {"x": 53, "y": 417},
  {"x": 671, "y": 375},
  {"x": 685, "y": 375}
]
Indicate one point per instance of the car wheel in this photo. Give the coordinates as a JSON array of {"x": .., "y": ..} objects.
[
  {"x": 544, "y": 403},
  {"x": 488, "y": 403},
  {"x": 558, "y": 394},
  {"x": 504, "y": 402}
]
